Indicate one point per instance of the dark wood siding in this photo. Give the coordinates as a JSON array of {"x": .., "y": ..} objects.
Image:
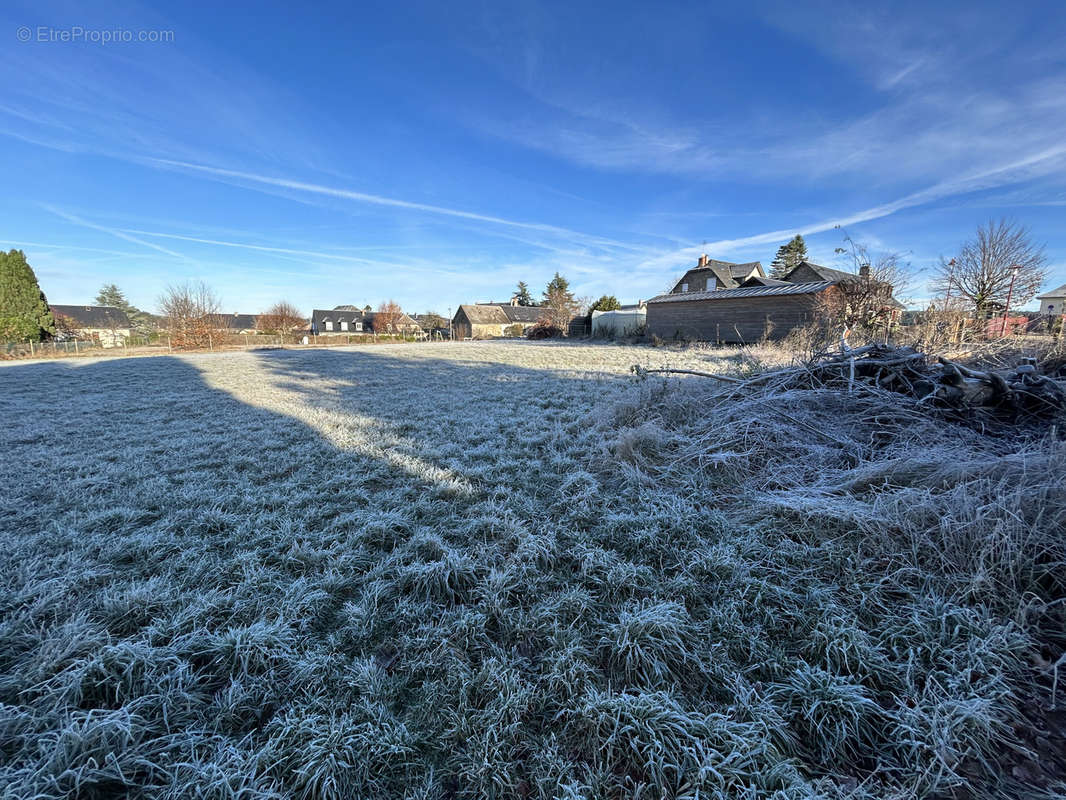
[
  {"x": 743, "y": 319},
  {"x": 461, "y": 328}
]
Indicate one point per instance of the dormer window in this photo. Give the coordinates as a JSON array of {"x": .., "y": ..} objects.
[
  {"x": 344, "y": 324},
  {"x": 329, "y": 324},
  {"x": 684, "y": 287}
]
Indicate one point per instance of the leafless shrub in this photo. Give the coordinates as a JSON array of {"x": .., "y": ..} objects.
[
  {"x": 866, "y": 304},
  {"x": 282, "y": 317},
  {"x": 190, "y": 311},
  {"x": 388, "y": 317}
]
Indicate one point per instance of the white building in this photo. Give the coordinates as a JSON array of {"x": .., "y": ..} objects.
[{"x": 1053, "y": 303}]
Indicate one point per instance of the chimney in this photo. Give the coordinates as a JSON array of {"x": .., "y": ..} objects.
[
  {"x": 864, "y": 272},
  {"x": 703, "y": 260},
  {"x": 514, "y": 300}
]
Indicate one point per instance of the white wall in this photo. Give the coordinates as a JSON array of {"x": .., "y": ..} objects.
[{"x": 618, "y": 323}]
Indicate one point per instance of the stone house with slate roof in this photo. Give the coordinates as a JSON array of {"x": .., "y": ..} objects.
[
  {"x": 352, "y": 320},
  {"x": 108, "y": 325},
  {"x": 493, "y": 320}
]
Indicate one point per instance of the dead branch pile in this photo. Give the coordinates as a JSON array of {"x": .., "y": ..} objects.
[{"x": 1020, "y": 395}]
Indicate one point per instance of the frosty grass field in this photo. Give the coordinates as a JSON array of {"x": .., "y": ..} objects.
[{"x": 512, "y": 570}]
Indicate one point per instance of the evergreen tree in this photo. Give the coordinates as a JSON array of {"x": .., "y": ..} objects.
[
  {"x": 24, "y": 312},
  {"x": 560, "y": 302},
  {"x": 523, "y": 296},
  {"x": 606, "y": 303},
  {"x": 111, "y": 295},
  {"x": 788, "y": 257}
]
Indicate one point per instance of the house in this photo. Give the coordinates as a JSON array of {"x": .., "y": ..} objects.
[
  {"x": 493, "y": 320},
  {"x": 236, "y": 323},
  {"x": 738, "y": 303},
  {"x": 1053, "y": 303},
  {"x": 108, "y": 325},
  {"x": 349, "y": 319},
  {"x": 808, "y": 272},
  {"x": 710, "y": 274}
]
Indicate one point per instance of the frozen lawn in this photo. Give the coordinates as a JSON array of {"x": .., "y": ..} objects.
[{"x": 508, "y": 570}]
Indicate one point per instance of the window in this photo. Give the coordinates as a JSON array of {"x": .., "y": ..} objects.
[
  {"x": 684, "y": 287},
  {"x": 329, "y": 324},
  {"x": 359, "y": 326},
  {"x": 344, "y": 324}
]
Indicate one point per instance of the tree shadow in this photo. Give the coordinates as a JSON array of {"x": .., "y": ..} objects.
[
  {"x": 201, "y": 543},
  {"x": 298, "y": 420}
]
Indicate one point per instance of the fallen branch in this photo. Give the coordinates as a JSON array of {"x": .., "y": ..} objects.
[{"x": 641, "y": 371}]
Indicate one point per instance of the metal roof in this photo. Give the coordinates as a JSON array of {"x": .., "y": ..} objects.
[{"x": 752, "y": 291}]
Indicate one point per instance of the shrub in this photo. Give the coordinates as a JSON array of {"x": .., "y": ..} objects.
[{"x": 544, "y": 329}]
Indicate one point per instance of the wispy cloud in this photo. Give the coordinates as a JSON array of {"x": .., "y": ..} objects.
[
  {"x": 76, "y": 220},
  {"x": 1053, "y": 158},
  {"x": 391, "y": 202}
]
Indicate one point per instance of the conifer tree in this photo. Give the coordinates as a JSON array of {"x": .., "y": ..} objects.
[
  {"x": 607, "y": 302},
  {"x": 559, "y": 302},
  {"x": 523, "y": 296},
  {"x": 111, "y": 295},
  {"x": 24, "y": 312},
  {"x": 788, "y": 257}
]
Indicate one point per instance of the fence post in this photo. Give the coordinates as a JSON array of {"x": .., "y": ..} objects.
[
  {"x": 210, "y": 344},
  {"x": 31, "y": 347},
  {"x": 170, "y": 345}
]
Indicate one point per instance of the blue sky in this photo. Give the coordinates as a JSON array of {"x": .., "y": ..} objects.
[{"x": 438, "y": 153}]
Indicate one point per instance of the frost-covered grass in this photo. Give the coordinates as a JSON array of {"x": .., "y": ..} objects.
[{"x": 510, "y": 570}]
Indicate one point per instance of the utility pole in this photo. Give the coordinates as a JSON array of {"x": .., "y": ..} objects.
[{"x": 1010, "y": 293}]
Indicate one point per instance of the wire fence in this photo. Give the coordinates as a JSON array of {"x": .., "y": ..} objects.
[{"x": 163, "y": 343}]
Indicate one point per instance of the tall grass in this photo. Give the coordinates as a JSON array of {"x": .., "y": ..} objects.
[{"x": 508, "y": 571}]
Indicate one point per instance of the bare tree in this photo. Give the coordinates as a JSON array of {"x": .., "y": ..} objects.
[
  {"x": 191, "y": 311},
  {"x": 66, "y": 327},
  {"x": 982, "y": 272},
  {"x": 432, "y": 321},
  {"x": 282, "y": 317},
  {"x": 868, "y": 301},
  {"x": 388, "y": 317}
]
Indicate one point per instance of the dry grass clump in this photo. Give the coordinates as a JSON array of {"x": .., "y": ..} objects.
[{"x": 507, "y": 570}]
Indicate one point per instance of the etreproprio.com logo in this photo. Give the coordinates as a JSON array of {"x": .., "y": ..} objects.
[{"x": 47, "y": 34}]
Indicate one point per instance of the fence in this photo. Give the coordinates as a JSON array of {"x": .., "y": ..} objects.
[{"x": 161, "y": 343}]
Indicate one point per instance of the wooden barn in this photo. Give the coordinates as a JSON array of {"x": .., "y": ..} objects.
[
  {"x": 741, "y": 315},
  {"x": 719, "y": 301}
]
